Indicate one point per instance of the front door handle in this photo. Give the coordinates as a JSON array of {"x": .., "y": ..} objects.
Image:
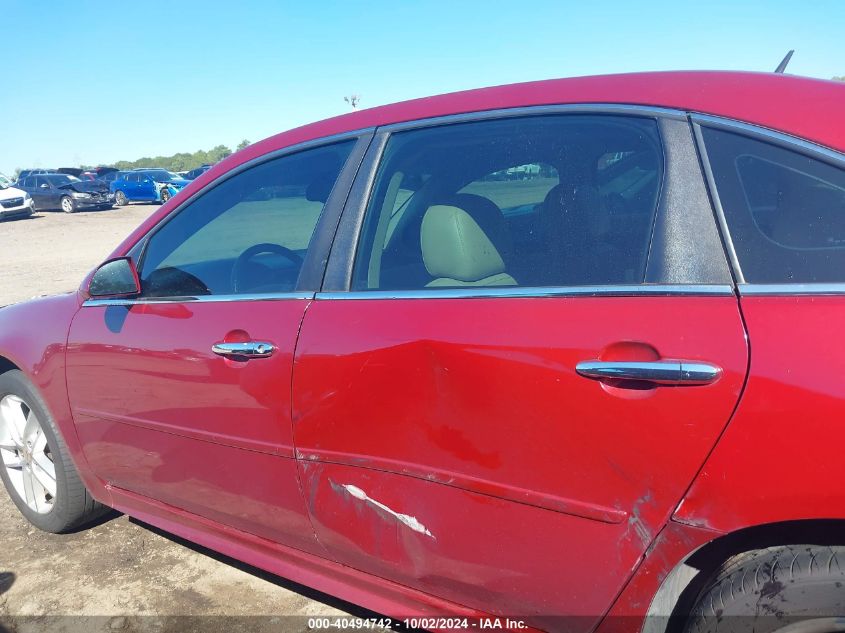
[
  {"x": 661, "y": 372},
  {"x": 245, "y": 351}
]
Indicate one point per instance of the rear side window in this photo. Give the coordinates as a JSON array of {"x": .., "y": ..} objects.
[
  {"x": 785, "y": 210},
  {"x": 556, "y": 200},
  {"x": 247, "y": 235}
]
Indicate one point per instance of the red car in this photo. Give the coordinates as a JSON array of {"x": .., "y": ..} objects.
[{"x": 565, "y": 352}]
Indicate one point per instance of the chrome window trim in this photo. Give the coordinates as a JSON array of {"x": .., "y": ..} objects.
[
  {"x": 277, "y": 153},
  {"x": 655, "y": 290},
  {"x": 781, "y": 139},
  {"x": 537, "y": 110},
  {"x": 785, "y": 290},
  {"x": 272, "y": 296}
]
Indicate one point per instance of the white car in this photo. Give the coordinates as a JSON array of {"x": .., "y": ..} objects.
[{"x": 14, "y": 203}]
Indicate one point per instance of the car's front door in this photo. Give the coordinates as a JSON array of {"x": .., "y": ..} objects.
[
  {"x": 528, "y": 364},
  {"x": 44, "y": 194},
  {"x": 183, "y": 395}
]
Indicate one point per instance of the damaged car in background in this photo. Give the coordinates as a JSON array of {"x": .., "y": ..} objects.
[
  {"x": 145, "y": 185},
  {"x": 66, "y": 192}
]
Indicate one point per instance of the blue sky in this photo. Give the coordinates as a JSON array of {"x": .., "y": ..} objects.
[{"x": 97, "y": 81}]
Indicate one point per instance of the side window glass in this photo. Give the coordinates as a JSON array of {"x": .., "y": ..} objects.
[
  {"x": 558, "y": 200},
  {"x": 247, "y": 235},
  {"x": 785, "y": 210}
]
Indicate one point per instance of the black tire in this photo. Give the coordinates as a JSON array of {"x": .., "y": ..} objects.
[
  {"x": 120, "y": 199},
  {"x": 67, "y": 204},
  {"x": 73, "y": 506},
  {"x": 768, "y": 589}
]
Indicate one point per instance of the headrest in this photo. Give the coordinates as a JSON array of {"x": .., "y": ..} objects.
[
  {"x": 577, "y": 209},
  {"x": 455, "y": 246},
  {"x": 488, "y": 216}
]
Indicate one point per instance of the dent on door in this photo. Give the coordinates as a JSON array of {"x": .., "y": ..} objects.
[{"x": 450, "y": 445}]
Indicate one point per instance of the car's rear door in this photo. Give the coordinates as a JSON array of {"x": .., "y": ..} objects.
[
  {"x": 520, "y": 361},
  {"x": 182, "y": 396}
]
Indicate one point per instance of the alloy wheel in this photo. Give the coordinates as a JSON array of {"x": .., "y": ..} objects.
[
  {"x": 67, "y": 205},
  {"x": 26, "y": 456}
]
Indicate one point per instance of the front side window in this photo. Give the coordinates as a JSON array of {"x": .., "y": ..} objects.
[
  {"x": 556, "y": 200},
  {"x": 785, "y": 210},
  {"x": 247, "y": 235}
]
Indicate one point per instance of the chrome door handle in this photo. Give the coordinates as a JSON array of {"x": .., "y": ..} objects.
[
  {"x": 662, "y": 372},
  {"x": 250, "y": 349}
]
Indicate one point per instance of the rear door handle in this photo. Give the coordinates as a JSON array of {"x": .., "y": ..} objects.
[
  {"x": 661, "y": 372},
  {"x": 250, "y": 349}
]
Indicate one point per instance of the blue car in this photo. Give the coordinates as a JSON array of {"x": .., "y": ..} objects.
[{"x": 146, "y": 185}]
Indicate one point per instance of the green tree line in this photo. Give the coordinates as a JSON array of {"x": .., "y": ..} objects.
[{"x": 183, "y": 161}]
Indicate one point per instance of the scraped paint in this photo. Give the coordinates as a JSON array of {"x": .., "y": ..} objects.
[{"x": 405, "y": 519}]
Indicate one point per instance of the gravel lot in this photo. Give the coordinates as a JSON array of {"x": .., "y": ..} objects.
[{"x": 129, "y": 576}]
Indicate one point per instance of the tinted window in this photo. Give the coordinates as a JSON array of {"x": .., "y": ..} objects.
[
  {"x": 249, "y": 234},
  {"x": 785, "y": 211},
  {"x": 536, "y": 201},
  {"x": 58, "y": 181},
  {"x": 160, "y": 175}
]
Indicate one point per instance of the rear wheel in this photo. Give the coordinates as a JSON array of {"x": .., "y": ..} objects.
[
  {"x": 35, "y": 466},
  {"x": 792, "y": 588},
  {"x": 68, "y": 206},
  {"x": 120, "y": 198}
]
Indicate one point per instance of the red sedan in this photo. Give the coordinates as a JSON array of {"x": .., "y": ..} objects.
[{"x": 559, "y": 352}]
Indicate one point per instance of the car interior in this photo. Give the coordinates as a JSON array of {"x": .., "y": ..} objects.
[
  {"x": 549, "y": 201},
  {"x": 248, "y": 235}
]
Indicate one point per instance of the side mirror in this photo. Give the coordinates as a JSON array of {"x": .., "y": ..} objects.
[{"x": 115, "y": 278}]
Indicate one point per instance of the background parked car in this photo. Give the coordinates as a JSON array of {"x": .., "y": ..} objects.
[
  {"x": 109, "y": 176},
  {"x": 146, "y": 185},
  {"x": 32, "y": 172},
  {"x": 13, "y": 201},
  {"x": 194, "y": 173},
  {"x": 76, "y": 172},
  {"x": 60, "y": 191}
]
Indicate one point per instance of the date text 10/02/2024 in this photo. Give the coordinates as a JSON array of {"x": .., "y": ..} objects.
[{"x": 430, "y": 623}]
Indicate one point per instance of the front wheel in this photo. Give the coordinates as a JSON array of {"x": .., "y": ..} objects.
[
  {"x": 68, "y": 205},
  {"x": 35, "y": 465},
  {"x": 120, "y": 198},
  {"x": 165, "y": 195},
  {"x": 787, "y": 588}
]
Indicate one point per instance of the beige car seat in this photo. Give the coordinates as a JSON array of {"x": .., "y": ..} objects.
[{"x": 457, "y": 252}]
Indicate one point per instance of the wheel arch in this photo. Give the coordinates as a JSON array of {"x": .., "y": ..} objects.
[
  {"x": 6, "y": 364},
  {"x": 681, "y": 586}
]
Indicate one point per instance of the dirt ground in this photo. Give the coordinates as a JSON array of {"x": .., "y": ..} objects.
[{"x": 120, "y": 575}]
